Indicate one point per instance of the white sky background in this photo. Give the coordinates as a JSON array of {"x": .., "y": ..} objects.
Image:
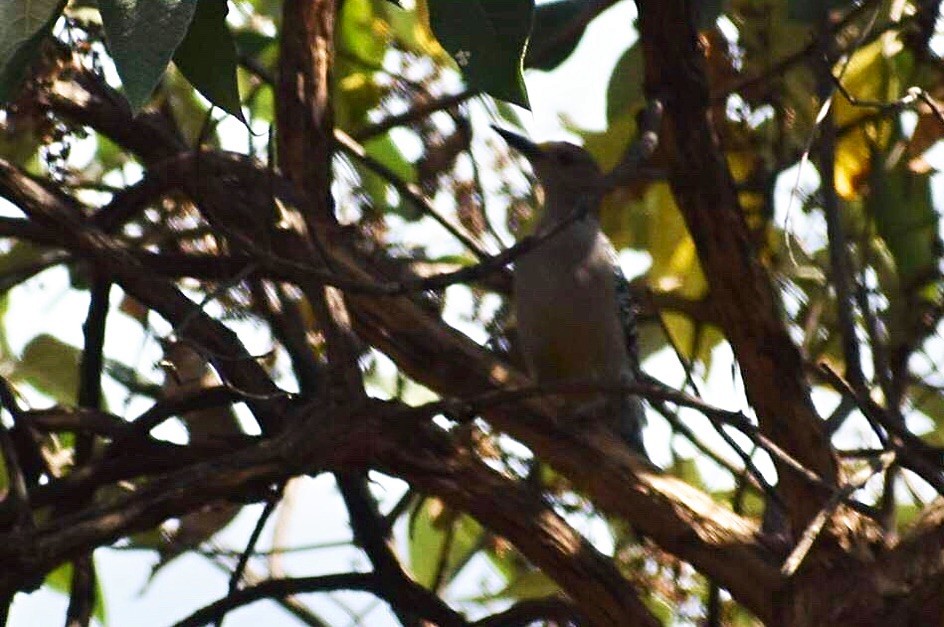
[{"x": 575, "y": 90}]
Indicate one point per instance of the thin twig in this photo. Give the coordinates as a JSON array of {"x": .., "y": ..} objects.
[
  {"x": 841, "y": 272},
  {"x": 18, "y": 495},
  {"x": 802, "y": 549},
  {"x": 784, "y": 64},
  {"x": 750, "y": 470},
  {"x": 240, "y": 569},
  {"x": 89, "y": 395},
  {"x": 413, "y": 114},
  {"x": 281, "y": 588},
  {"x": 290, "y": 604},
  {"x": 913, "y": 453},
  {"x": 408, "y": 190},
  {"x": 409, "y": 601}
]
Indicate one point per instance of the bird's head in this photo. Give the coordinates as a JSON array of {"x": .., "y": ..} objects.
[{"x": 567, "y": 172}]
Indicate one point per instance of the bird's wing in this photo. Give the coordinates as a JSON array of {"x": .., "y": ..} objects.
[{"x": 627, "y": 310}]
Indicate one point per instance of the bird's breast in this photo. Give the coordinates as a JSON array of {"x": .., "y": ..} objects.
[{"x": 568, "y": 322}]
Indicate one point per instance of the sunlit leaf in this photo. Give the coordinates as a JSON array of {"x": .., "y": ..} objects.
[
  {"x": 675, "y": 268},
  {"x": 363, "y": 34},
  {"x": 412, "y": 31},
  {"x": 687, "y": 470},
  {"x": 906, "y": 514},
  {"x": 51, "y": 366},
  {"x": 872, "y": 74},
  {"x": 189, "y": 109},
  {"x": 852, "y": 164},
  {"x": 431, "y": 526},
  {"x": 751, "y": 502},
  {"x": 533, "y": 584},
  {"x": 362, "y": 44}
]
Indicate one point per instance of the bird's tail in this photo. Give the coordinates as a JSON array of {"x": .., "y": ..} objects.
[{"x": 630, "y": 421}]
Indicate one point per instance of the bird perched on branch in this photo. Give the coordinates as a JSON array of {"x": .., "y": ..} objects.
[{"x": 575, "y": 314}]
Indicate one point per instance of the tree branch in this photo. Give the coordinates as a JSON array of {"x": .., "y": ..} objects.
[
  {"x": 741, "y": 293},
  {"x": 678, "y": 517},
  {"x": 279, "y": 588}
]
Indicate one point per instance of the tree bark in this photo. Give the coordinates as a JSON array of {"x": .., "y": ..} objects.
[{"x": 741, "y": 294}]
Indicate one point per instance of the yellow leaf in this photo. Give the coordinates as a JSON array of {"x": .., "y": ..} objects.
[
  {"x": 853, "y": 157},
  {"x": 423, "y": 36},
  {"x": 872, "y": 74},
  {"x": 675, "y": 267}
]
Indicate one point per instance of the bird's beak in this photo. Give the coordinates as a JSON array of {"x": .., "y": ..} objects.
[{"x": 522, "y": 144}]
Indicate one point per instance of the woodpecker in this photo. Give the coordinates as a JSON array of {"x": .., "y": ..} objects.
[{"x": 575, "y": 313}]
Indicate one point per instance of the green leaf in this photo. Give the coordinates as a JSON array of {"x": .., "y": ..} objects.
[
  {"x": 362, "y": 44},
  {"x": 20, "y": 20},
  {"x": 487, "y": 38},
  {"x": 60, "y": 580},
  {"x": 51, "y": 366},
  {"x": 142, "y": 36},
  {"x": 687, "y": 470},
  {"x": 554, "y": 36},
  {"x": 905, "y": 218},
  {"x": 430, "y": 527},
  {"x": 386, "y": 151},
  {"x": 810, "y": 10},
  {"x": 624, "y": 92},
  {"x": 533, "y": 584},
  {"x": 207, "y": 57},
  {"x": 109, "y": 155},
  {"x": 752, "y": 503},
  {"x": 411, "y": 29},
  {"x": 929, "y": 401},
  {"x": 23, "y": 261},
  {"x": 906, "y": 514},
  {"x": 23, "y": 26},
  {"x": 253, "y": 43},
  {"x": 190, "y": 110},
  {"x": 362, "y": 35}
]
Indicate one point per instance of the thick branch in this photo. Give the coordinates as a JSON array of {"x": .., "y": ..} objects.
[
  {"x": 916, "y": 566},
  {"x": 680, "y": 518},
  {"x": 741, "y": 292},
  {"x": 398, "y": 440},
  {"x": 305, "y": 128}
]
